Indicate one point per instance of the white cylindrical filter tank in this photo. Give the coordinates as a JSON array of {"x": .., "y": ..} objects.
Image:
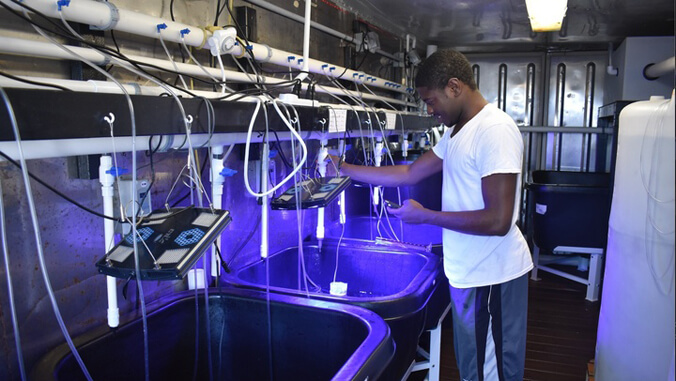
[{"x": 635, "y": 338}]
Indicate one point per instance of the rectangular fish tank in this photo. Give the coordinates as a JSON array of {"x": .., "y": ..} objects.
[
  {"x": 399, "y": 285},
  {"x": 244, "y": 343}
]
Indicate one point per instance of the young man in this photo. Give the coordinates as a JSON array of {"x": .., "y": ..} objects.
[{"x": 486, "y": 258}]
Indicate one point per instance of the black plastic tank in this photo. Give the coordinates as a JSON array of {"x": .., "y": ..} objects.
[
  {"x": 427, "y": 191},
  {"x": 570, "y": 208}
]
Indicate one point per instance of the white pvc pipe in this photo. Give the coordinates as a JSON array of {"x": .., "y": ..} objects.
[
  {"x": 661, "y": 68},
  {"x": 610, "y": 69},
  {"x": 378, "y": 152},
  {"x": 343, "y": 217},
  {"x": 321, "y": 164},
  {"x": 265, "y": 156},
  {"x": 217, "y": 199},
  {"x": 306, "y": 42},
  {"x": 291, "y": 60},
  {"x": 43, "y": 149},
  {"x": 32, "y": 48},
  {"x": 107, "y": 180},
  {"x": 100, "y": 14}
]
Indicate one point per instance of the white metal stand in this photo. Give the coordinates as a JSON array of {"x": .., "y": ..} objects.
[
  {"x": 593, "y": 280},
  {"x": 432, "y": 359}
]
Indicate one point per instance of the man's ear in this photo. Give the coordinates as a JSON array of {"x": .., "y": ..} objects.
[{"x": 455, "y": 86}]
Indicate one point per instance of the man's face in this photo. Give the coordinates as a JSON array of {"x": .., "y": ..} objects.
[{"x": 441, "y": 103}]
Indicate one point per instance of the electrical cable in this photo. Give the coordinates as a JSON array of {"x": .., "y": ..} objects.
[
  {"x": 38, "y": 238},
  {"x": 10, "y": 288},
  {"x": 58, "y": 193},
  {"x": 34, "y": 82}
]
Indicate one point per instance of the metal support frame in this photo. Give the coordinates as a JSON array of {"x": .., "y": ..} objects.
[
  {"x": 594, "y": 278},
  {"x": 432, "y": 359}
]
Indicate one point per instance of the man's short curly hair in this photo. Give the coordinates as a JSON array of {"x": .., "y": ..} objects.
[{"x": 443, "y": 65}]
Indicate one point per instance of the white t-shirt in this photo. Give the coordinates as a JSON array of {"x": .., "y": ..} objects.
[{"x": 489, "y": 143}]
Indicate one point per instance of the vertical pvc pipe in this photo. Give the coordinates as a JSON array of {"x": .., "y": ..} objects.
[
  {"x": 321, "y": 163},
  {"x": 217, "y": 195},
  {"x": 107, "y": 180},
  {"x": 377, "y": 158},
  {"x": 264, "y": 200},
  {"x": 343, "y": 217},
  {"x": 306, "y": 41},
  {"x": 476, "y": 70}
]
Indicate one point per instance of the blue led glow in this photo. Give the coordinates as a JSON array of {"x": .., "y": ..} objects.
[
  {"x": 142, "y": 235},
  {"x": 189, "y": 237}
]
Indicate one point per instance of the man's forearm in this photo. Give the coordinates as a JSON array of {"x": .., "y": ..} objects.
[
  {"x": 389, "y": 176},
  {"x": 476, "y": 222},
  {"x": 395, "y": 175}
]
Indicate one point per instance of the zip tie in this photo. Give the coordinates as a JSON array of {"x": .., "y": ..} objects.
[
  {"x": 269, "y": 56},
  {"x": 114, "y": 17},
  {"x": 136, "y": 87},
  {"x": 205, "y": 37}
]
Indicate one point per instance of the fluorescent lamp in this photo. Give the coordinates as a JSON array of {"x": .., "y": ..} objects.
[{"x": 546, "y": 15}]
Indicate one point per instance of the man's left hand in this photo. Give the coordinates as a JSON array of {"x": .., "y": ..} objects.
[{"x": 411, "y": 212}]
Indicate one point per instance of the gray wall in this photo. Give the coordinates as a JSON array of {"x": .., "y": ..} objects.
[{"x": 633, "y": 54}]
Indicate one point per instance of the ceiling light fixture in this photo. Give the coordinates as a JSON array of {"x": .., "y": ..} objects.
[{"x": 546, "y": 15}]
